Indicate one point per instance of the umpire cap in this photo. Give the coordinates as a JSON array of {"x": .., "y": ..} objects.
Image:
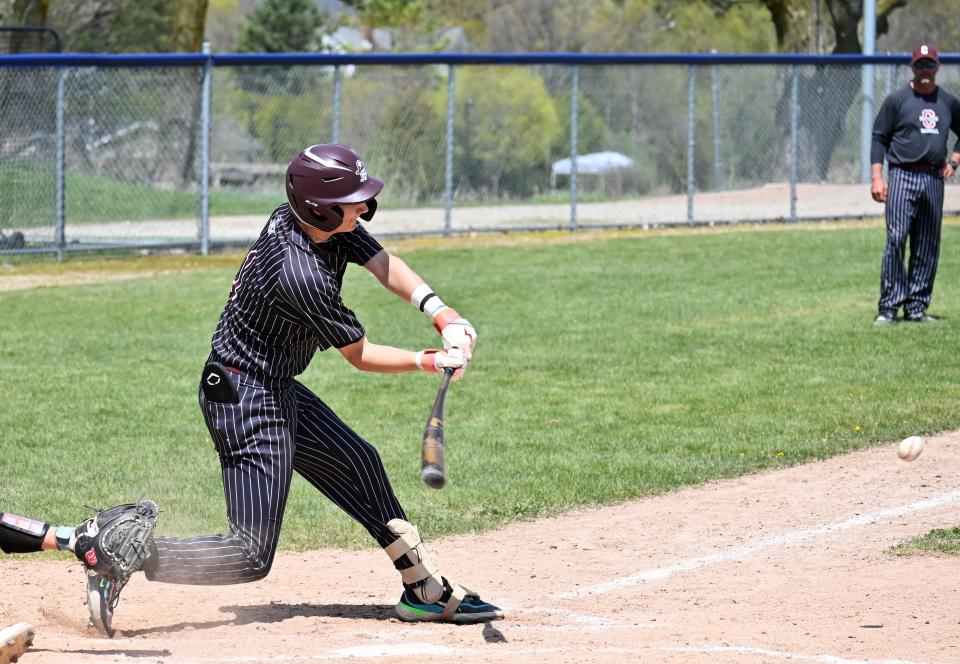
[{"x": 324, "y": 175}]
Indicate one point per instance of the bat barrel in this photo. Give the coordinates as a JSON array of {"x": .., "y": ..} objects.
[{"x": 433, "y": 466}]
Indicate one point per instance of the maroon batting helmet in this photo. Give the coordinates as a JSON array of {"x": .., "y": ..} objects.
[{"x": 323, "y": 176}]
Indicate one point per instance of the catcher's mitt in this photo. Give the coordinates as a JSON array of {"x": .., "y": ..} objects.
[{"x": 116, "y": 542}]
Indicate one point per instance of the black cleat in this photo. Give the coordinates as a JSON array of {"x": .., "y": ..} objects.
[
  {"x": 921, "y": 317},
  {"x": 102, "y": 597},
  {"x": 885, "y": 318}
]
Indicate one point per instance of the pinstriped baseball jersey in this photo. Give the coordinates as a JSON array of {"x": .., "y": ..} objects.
[
  {"x": 285, "y": 301},
  {"x": 284, "y": 305}
]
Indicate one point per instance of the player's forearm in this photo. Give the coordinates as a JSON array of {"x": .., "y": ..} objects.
[
  {"x": 367, "y": 356},
  {"x": 876, "y": 171}
]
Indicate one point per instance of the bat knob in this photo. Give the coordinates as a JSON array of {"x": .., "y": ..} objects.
[{"x": 433, "y": 478}]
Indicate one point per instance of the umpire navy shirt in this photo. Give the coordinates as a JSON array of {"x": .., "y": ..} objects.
[
  {"x": 912, "y": 128},
  {"x": 285, "y": 302}
]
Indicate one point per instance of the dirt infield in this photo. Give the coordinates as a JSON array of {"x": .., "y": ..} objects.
[{"x": 790, "y": 565}]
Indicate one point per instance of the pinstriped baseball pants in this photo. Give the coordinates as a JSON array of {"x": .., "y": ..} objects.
[
  {"x": 914, "y": 211},
  {"x": 276, "y": 429}
]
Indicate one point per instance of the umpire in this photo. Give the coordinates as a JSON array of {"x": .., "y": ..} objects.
[{"x": 911, "y": 131}]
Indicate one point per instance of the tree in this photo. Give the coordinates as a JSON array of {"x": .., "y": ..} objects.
[
  {"x": 188, "y": 25},
  {"x": 113, "y": 26},
  {"x": 835, "y": 90},
  {"x": 392, "y": 14},
  {"x": 281, "y": 26}
]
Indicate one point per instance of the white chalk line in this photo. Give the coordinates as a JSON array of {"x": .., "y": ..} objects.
[
  {"x": 581, "y": 621},
  {"x": 745, "y": 550},
  {"x": 414, "y": 649}
]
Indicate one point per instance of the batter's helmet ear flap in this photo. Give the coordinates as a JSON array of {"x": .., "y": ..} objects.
[{"x": 371, "y": 208}]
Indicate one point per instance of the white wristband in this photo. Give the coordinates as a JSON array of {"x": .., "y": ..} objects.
[
  {"x": 417, "y": 359},
  {"x": 424, "y": 299}
]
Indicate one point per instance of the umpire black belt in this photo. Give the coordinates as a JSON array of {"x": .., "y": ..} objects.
[{"x": 920, "y": 167}]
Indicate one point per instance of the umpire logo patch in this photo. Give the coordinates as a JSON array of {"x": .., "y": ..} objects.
[{"x": 928, "y": 121}]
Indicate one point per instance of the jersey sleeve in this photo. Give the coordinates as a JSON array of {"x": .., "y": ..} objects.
[
  {"x": 955, "y": 121},
  {"x": 883, "y": 127},
  {"x": 359, "y": 246},
  {"x": 310, "y": 294}
]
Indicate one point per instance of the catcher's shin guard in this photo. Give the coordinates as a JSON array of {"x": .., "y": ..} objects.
[{"x": 14, "y": 641}]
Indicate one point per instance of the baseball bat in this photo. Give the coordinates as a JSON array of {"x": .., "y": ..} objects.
[{"x": 433, "y": 469}]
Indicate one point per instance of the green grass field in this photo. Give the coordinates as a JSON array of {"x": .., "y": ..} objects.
[
  {"x": 606, "y": 370},
  {"x": 26, "y": 199}
]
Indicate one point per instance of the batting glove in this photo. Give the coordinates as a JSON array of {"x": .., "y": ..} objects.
[
  {"x": 457, "y": 332},
  {"x": 437, "y": 361}
]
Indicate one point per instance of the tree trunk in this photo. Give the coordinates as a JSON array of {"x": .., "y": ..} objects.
[
  {"x": 188, "y": 26},
  {"x": 187, "y": 37},
  {"x": 829, "y": 87}
]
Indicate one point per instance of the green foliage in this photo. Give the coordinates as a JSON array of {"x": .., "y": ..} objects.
[
  {"x": 390, "y": 13},
  {"x": 117, "y": 26},
  {"x": 506, "y": 123},
  {"x": 281, "y": 26},
  {"x": 282, "y": 122},
  {"x": 591, "y": 129},
  {"x": 710, "y": 356},
  {"x": 410, "y": 157},
  {"x": 937, "y": 541}
]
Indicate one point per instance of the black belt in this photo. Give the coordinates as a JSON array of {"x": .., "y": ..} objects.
[{"x": 920, "y": 167}]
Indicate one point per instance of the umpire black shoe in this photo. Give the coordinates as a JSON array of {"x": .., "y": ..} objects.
[
  {"x": 885, "y": 318},
  {"x": 921, "y": 317}
]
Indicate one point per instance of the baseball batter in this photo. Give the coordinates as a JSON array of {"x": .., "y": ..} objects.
[
  {"x": 283, "y": 307},
  {"x": 911, "y": 132}
]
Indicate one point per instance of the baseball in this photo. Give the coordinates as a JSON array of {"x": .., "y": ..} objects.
[{"x": 910, "y": 447}]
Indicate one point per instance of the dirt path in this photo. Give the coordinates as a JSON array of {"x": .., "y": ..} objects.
[{"x": 790, "y": 566}]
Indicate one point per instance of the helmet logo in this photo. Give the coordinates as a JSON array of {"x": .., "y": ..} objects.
[
  {"x": 924, "y": 50},
  {"x": 361, "y": 171}
]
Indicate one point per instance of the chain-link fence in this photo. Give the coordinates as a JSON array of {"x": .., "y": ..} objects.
[{"x": 102, "y": 152}]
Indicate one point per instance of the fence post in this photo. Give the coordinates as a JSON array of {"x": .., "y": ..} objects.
[
  {"x": 337, "y": 91},
  {"x": 794, "y": 117},
  {"x": 691, "y": 140},
  {"x": 448, "y": 188},
  {"x": 205, "y": 152},
  {"x": 574, "y": 132},
  {"x": 717, "y": 161},
  {"x": 59, "y": 239},
  {"x": 866, "y": 120}
]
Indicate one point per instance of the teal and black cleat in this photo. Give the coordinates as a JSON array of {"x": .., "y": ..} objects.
[
  {"x": 102, "y": 597},
  {"x": 456, "y": 605}
]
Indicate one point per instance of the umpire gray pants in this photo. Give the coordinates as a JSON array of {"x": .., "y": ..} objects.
[
  {"x": 277, "y": 428},
  {"x": 914, "y": 211}
]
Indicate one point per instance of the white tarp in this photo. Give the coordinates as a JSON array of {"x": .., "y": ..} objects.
[{"x": 596, "y": 163}]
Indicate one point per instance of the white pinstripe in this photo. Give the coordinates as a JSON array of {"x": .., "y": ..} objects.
[
  {"x": 284, "y": 306},
  {"x": 914, "y": 211}
]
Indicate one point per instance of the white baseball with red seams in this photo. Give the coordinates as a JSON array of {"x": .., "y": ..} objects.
[{"x": 910, "y": 447}]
